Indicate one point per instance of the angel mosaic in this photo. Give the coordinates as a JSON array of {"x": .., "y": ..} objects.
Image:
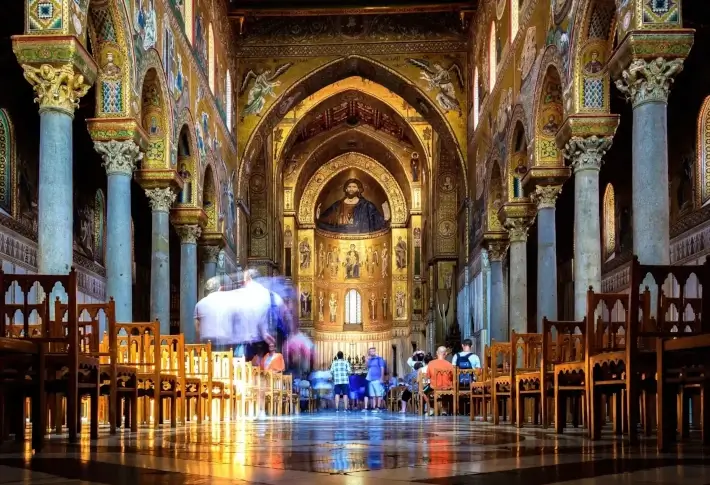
[
  {"x": 264, "y": 84},
  {"x": 440, "y": 79}
]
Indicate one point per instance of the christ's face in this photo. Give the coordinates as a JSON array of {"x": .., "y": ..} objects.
[{"x": 352, "y": 190}]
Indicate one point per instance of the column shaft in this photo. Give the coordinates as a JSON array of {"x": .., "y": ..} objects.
[
  {"x": 160, "y": 200},
  {"x": 546, "y": 266},
  {"x": 587, "y": 239},
  {"x": 119, "y": 270},
  {"x": 188, "y": 290},
  {"x": 518, "y": 287},
  {"x": 499, "y": 318},
  {"x": 55, "y": 200},
  {"x": 651, "y": 204}
]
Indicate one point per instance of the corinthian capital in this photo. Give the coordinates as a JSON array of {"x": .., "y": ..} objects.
[
  {"x": 517, "y": 228},
  {"x": 545, "y": 196},
  {"x": 646, "y": 81},
  {"x": 210, "y": 253},
  {"x": 497, "y": 250},
  {"x": 189, "y": 234},
  {"x": 160, "y": 199},
  {"x": 57, "y": 88},
  {"x": 585, "y": 153},
  {"x": 120, "y": 157}
]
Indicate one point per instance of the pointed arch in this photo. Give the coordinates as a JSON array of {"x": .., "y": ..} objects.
[
  {"x": 549, "y": 110},
  {"x": 702, "y": 169},
  {"x": 494, "y": 197},
  {"x": 353, "y": 307},
  {"x": 609, "y": 220},
  {"x": 187, "y": 168},
  {"x": 188, "y": 20},
  {"x": 210, "y": 200},
  {"x": 156, "y": 114},
  {"x": 476, "y": 100},
  {"x": 210, "y": 58},
  {"x": 517, "y": 142},
  {"x": 492, "y": 60},
  {"x": 8, "y": 166},
  {"x": 354, "y": 65}
]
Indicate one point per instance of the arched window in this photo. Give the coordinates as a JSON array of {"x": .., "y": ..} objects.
[
  {"x": 702, "y": 170},
  {"x": 7, "y": 164},
  {"x": 476, "y": 101},
  {"x": 210, "y": 57},
  {"x": 228, "y": 98},
  {"x": 353, "y": 311},
  {"x": 492, "y": 57},
  {"x": 188, "y": 20},
  {"x": 514, "y": 11},
  {"x": 609, "y": 221}
]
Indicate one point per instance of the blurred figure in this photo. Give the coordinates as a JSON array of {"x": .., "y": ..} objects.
[{"x": 273, "y": 360}]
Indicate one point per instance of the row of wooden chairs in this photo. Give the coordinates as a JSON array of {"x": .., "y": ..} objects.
[
  {"x": 628, "y": 365},
  {"x": 54, "y": 355}
]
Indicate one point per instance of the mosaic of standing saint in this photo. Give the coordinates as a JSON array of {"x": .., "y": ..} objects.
[{"x": 353, "y": 214}]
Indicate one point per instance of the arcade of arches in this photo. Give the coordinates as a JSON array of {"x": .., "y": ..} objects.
[{"x": 420, "y": 174}]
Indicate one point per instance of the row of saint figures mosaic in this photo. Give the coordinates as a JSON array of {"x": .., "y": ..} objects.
[
  {"x": 356, "y": 261},
  {"x": 377, "y": 307}
]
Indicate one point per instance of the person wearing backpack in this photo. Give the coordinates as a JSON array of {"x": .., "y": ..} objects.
[{"x": 466, "y": 360}]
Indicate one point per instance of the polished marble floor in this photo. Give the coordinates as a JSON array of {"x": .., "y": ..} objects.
[{"x": 352, "y": 449}]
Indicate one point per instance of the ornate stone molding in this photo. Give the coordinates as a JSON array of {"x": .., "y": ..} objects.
[
  {"x": 517, "y": 229},
  {"x": 120, "y": 157},
  {"x": 497, "y": 250},
  {"x": 160, "y": 199},
  {"x": 57, "y": 88},
  {"x": 210, "y": 253},
  {"x": 545, "y": 196},
  {"x": 585, "y": 153},
  {"x": 189, "y": 234},
  {"x": 649, "y": 81}
]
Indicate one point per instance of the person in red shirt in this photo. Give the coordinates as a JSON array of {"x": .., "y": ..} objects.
[{"x": 440, "y": 373}]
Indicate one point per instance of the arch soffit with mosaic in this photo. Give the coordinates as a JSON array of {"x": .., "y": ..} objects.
[
  {"x": 307, "y": 205},
  {"x": 108, "y": 27},
  {"x": 210, "y": 173},
  {"x": 152, "y": 61},
  {"x": 340, "y": 69},
  {"x": 306, "y": 170},
  {"x": 326, "y": 94},
  {"x": 518, "y": 118},
  {"x": 494, "y": 190},
  {"x": 591, "y": 90},
  {"x": 544, "y": 148}
]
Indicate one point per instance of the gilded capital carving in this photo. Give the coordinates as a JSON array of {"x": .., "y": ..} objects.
[
  {"x": 585, "y": 153},
  {"x": 518, "y": 228},
  {"x": 189, "y": 233},
  {"x": 545, "y": 196},
  {"x": 210, "y": 254},
  {"x": 57, "y": 88},
  {"x": 497, "y": 250},
  {"x": 120, "y": 157},
  {"x": 160, "y": 199},
  {"x": 645, "y": 81}
]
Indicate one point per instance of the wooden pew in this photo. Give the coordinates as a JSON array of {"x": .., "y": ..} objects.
[
  {"x": 481, "y": 389},
  {"x": 502, "y": 378}
]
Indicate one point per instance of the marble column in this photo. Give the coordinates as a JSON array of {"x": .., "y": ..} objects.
[
  {"x": 518, "y": 264},
  {"x": 120, "y": 159},
  {"x": 58, "y": 90},
  {"x": 188, "y": 280},
  {"x": 545, "y": 197},
  {"x": 647, "y": 84},
  {"x": 209, "y": 268},
  {"x": 498, "y": 314},
  {"x": 160, "y": 201},
  {"x": 585, "y": 155}
]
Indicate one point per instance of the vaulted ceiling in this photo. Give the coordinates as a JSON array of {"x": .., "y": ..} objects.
[{"x": 352, "y": 111}]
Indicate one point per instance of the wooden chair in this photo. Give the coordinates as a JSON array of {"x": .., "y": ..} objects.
[
  {"x": 563, "y": 370},
  {"x": 198, "y": 382},
  {"x": 527, "y": 376},
  {"x": 502, "y": 389},
  {"x": 464, "y": 385},
  {"x": 481, "y": 389}
]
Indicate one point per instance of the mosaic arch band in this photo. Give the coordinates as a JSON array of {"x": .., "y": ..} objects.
[{"x": 353, "y": 214}]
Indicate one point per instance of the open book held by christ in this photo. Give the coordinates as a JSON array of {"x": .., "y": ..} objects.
[{"x": 353, "y": 214}]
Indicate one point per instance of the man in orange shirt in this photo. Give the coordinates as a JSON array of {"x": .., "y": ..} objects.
[
  {"x": 440, "y": 373},
  {"x": 273, "y": 361}
]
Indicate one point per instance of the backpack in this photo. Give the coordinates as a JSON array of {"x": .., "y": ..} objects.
[{"x": 463, "y": 362}]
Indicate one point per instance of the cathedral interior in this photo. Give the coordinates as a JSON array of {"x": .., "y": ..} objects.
[{"x": 530, "y": 177}]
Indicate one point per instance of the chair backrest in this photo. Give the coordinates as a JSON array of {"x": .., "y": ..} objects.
[
  {"x": 566, "y": 344},
  {"x": 500, "y": 359},
  {"x": 134, "y": 349},
  {"x": 442, "y": 379},
  {"x": 610, "y": 332}
]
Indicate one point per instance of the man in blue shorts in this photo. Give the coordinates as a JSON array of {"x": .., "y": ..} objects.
[{"x": 375, "y": 370}]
